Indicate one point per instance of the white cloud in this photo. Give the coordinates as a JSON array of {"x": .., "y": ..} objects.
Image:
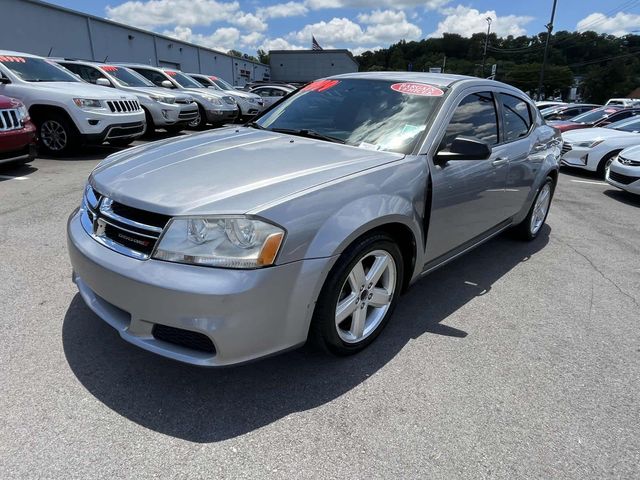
[
  {"x": 360, "y": 50},
  {"x": 185, "y": 13},
  {"x": 279, "y": 44},
  {"x": 467, "y": 21},
  {"x": 248, "y": 21},
  {"x": 281, "y": 10},
  {"x": 428, "y": 4},
  {"x": 223, "y": 39},
  {"x": 619, "y": 25},
  {"x": 381, "y": 27}
]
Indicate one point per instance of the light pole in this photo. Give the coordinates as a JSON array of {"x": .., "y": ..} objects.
[
  {"x": 546, "y": 48},
  {"x": 486, "y": 43}
]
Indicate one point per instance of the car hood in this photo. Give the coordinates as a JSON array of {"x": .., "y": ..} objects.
[
  {"x": 202, "y": 91},
  {"x": 84, "y": 90},
  {"x": 7, "y": 102},
  {"x": 588, "y": 134},
  {"x": 231, "y": 170},
  {"x": 238, "y": 93}
]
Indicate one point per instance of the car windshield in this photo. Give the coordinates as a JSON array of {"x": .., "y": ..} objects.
[
  {"x": 183, "y": 80},
  {"x": 32, "y": 69},
  {"x": 372, "y": 114},
  {"x": 593, "y": 116},
  {"x": 221, "y": 83},
  {"x": 626, "y": 125},
  {"x": 126, "y": 77}
]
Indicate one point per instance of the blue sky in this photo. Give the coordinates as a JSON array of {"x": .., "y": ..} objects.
[{"x": 355, "y": 24}]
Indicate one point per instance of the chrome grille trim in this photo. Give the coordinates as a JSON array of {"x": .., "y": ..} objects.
[
  {"x": 123, "y": 106},
  {"x": 10, "y": 119},
  {"x": 96, "y": 214}
]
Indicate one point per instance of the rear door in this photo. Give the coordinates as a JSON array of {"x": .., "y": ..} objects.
[
  {"x": 468, "y": 195},
  {"x": 523, "y": 148}
]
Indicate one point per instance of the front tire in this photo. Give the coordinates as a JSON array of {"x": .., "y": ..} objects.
[
  {"x": 604, "y": 164},
  {"x": 530, "y": 227},
  {"x": 200, "y": 122},
  {"x": 56, "y": 135},
  {"x": 359, "y": 296}
]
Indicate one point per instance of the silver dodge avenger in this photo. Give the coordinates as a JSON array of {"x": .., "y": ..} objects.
[{"x": 309, "y": 222}]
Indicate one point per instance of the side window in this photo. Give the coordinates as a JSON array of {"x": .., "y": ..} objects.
[
  {"x": 263, "y": 92},
  {"x": 277, "y": 93},
  {"x": 517, "y": 118},
  {"x": 475, "y": 116},
  {"x": 152, "y": 76}
]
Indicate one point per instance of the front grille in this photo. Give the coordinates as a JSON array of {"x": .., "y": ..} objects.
[
  {"x": 127, "y": 230},
  {"x": 620, "y": 178},
  {"x": 566, "y": 147},
  {"x": 184, "y": 101},
  {"x": 9, "y": 119},
  {"x": 123, "y": 106},
  {"x": 187, "y": 115},
  {"x": 229, "y": 100},
  {"x": 628, "y": 161},
  {"x": 126, "y": 130},
  {"x": 183, "y": 338}
]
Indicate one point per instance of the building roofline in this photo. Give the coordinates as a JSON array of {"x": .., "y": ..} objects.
[
  {"x": 316, "y": 52},
  {"x": 137, "y": 29}
]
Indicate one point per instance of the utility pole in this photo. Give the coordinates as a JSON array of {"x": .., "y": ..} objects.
[
  {"x": 546, "y": 48},
  {"x": 486, "y": 44}
]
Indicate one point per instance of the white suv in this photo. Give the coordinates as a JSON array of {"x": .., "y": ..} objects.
[
  {"x": 170, "y": 111},
  {"x": 249, "y": 103},
  {"x": 67, "y": 111}
]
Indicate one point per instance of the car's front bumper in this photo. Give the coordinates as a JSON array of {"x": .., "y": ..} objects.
[
  {"x": 116, "y": 131},
  {"x": 625, "y": 177},
  {"x": 580, "y": 157},
  {"x": 221, "y": 115},
  {"x": 163, "y": 114},
  {"x": 247, "y": 314}
]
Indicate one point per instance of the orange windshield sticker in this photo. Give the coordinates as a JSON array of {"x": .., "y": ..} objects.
[
  {"x": 171, "y": 73},
  {"x": 420, "y": 89},
  {"x": 109, "y": 68},
  {"x": 11, "y": 59},
  {"x": 320, "y": 85}
]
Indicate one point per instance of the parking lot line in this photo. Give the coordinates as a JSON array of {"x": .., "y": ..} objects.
[
  {"x": 11, "y": 177},
  {"x": 591, "y": 182}
]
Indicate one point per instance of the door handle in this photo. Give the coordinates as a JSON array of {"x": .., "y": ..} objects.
[
  {"x": 500, "y": 161},
  {"x": 539, "y": 147}
]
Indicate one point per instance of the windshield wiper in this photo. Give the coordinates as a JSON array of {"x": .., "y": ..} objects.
[
  {"x": 254, "y": 125},
  {"x": 305, "y": 132}
]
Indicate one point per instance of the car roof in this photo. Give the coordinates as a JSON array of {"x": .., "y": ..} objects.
[{"x": 10, "y": 53}]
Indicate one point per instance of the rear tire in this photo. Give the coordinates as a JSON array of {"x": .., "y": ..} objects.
[
  {"x": 530, "y": 227},
  {"x": 358, "y": 297},
  {"x": 56, "y": 135}
]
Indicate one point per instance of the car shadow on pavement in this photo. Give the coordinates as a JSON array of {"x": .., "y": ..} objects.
[
  {"x": 624, "y": 197},
  {"x": 210, "y": 405},
  {"x": 7, "y": 172}
]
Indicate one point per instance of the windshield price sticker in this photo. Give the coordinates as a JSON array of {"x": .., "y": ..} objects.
[
  {"x": 320, "y": 85},
  {"x": 10, "y": 59},
  {"x": 109, "y": 68},
  {"x": 420, "y": 89},
  {"x": 171, "y": 73}
]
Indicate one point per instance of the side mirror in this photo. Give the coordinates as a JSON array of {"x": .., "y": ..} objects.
[
  {"x": 103, "y": 82},
  {"x": 464, "y": 148},
  {"x": 4, "y": 81},
  {"x": 167, "y": 84}
]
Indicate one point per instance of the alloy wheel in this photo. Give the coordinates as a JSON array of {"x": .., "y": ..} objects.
[
  {"x": 53, "y": 135},
  {"x": 195, "y": 123},
  {"x": 541, "y": 208},
  {"x": 366, "y": 296}
]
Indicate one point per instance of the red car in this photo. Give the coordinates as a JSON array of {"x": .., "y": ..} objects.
[
  {"x": 600, "y": 117},
  {"x": 17, "y": 132}
]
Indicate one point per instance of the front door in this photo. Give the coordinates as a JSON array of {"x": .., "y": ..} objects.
[{"x": 468, "y": 195}]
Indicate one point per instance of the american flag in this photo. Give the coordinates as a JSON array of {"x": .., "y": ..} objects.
[{"x": 314, "y": 44}]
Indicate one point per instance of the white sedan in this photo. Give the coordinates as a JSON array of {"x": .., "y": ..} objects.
[
  {"x": 594, "y": 149},
  {"x": 624, "y": 171}
]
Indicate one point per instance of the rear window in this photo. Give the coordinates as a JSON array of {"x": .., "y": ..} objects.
[
  {"x": 595, "y": 115},
  {"x": 517, "y": 117}
]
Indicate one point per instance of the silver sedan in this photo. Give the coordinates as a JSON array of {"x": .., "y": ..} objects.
[{"x": 308, "y": 223}]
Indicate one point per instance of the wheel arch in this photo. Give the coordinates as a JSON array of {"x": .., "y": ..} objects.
[{"x": 38, "y": 111}]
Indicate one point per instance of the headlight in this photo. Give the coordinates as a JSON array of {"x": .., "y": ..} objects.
[
  {"x": 213, "y": 100},
  {"x": 230, "y": 242},
  {"x": 87, "y": 103},
  {"x": 23, "y": 114},
  {"x": 588, "y": 144},
  {"x": 157, "y": 98},
  {"x": 251, "y": 100}
]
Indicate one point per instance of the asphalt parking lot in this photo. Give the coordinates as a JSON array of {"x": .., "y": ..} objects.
[{"x": 516, "y": 361}]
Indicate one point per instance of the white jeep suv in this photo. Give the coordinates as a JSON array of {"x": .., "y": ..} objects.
[
  {"x": 172, "y": 111},
  {"x": 67, "y": 111}
]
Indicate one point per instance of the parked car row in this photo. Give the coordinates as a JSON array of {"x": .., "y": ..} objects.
[
  {"x": 77, "y": 102},
  {"x": 604, "y": 140}
]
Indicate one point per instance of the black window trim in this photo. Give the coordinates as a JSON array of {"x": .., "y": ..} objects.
[{"x": 502, "y": 119}]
